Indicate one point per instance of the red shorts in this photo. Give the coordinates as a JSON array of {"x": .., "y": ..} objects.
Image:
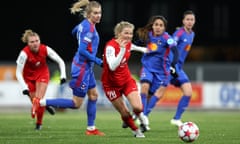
[
  {"x": 32, "y": 83},
  {"x": 113, "y": 93}
]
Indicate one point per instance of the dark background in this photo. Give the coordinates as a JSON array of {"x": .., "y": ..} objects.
[{"x": 217, "y": 25}]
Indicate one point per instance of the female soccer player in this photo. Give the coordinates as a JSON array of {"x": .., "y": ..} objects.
[
  {"x": 32, "y": 71},
  {"x": 83, "y": 80},
  {"x": 156, "y": 63},
  {"x": 116, "y": 76},
  {"x": 184, "y": 37}
]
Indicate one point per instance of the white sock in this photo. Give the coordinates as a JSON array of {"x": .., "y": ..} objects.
[
  {"x": 91, "y": 128},
  {"x": 141, "y": 116},
  {"x": 43, "y": 102}
]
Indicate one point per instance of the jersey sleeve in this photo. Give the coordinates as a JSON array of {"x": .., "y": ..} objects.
[
  {"x": 84, "y": 37},
  {"x": 21, "y": 60},
  {"x": 54, "y": 56},
  {"x": 138, "y": 48},
  {"x": 112, "y": 60}
]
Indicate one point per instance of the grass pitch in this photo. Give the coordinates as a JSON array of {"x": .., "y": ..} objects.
[{"x": 68, "y": 128}]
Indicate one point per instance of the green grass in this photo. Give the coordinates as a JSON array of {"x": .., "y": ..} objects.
[{"x": 68, "y": 128}]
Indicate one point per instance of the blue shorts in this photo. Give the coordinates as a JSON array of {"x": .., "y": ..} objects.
[
  {"x": 181, "y": 79},
  {"x": 154, "y": 79},
  {"x": 81, "y": 84}
]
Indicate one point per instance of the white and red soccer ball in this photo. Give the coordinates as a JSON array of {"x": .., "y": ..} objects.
[{"x": 188, "y": 132}]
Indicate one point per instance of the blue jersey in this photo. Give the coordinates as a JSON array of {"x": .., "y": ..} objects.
[
  {"x": 184, "y": 42},
  {"x": 157, "y": 59},
  {"x": 82, "y": 73},
  {"x": 156, "y": 63},
  {"x": 88, "y": 41}
]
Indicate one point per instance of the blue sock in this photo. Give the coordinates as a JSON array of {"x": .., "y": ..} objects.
[
  {"x": 144, "y": 102},
  {"x": 152, "y": 102},
  {"x": 91, "y": 111},
  {"x": 60, "y": 103},
  {"x": 182, "y": 105}
]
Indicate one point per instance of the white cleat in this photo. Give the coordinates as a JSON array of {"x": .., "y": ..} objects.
[
  {"x": 148, "y": 128},
  {"x": 144, "y": 123},
  {"x": 147, "y": 123},
  {"x": 176, "y": 122},
  {"x": 138, "y": 134}
]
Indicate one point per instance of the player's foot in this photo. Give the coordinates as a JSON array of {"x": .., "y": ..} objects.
[
  {"x": 148, "y": 128},
  {"x": 35, "y": 105},
  {"x": 94, "y": 132},
  {"x": 38, "y": 127},
  {"x": 136, "y": 120},
  {"x": 176, "y": 122},
  {"x": 124, "y": 125},
  {"x": 138, "y": 134},
  {"x": 144, "y": 126},
  {"x": 50, "y": 109}
]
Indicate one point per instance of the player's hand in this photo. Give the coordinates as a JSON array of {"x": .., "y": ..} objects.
[
  {"x": 62, "y": 81},
  {"x": 26, "y": 92},
  {"x": 99, "y": 61},
  {"x": 173, "y": 71}
]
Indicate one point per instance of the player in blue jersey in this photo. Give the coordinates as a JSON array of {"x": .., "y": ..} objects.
[
  {"x": 184, "y": 37},
  {"x": 155, "y": 72},
  {"x": 83, "y": 80}
]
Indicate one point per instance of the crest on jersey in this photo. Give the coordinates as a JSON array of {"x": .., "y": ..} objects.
[{"x": 152, "y": 46}]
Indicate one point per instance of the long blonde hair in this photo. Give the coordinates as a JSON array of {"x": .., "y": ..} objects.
[{"x": 84, "y": 7}]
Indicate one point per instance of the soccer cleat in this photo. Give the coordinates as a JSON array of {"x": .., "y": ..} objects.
[
  {"x": 148, "y": 128},
  {"x": 38, "y": 127},
  {"x": 94, "y": 132},
  {"x": 124, "y": 125},
  {"x": 138, "y": 134},
  {"x": 147, "y": 124},
  {"x": 176, "y": 122},
  {"x": 144, "y": 126},
  {"x": 35, "y": 105},
  {"x": 50, "y": 109}
]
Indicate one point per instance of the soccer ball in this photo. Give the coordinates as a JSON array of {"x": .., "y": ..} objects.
[{"x": 188, "y": 132}]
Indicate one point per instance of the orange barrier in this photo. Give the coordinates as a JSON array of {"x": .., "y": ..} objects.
[
  {"x": 7, "y": 72},
  {"x": 173, "y": 95}
]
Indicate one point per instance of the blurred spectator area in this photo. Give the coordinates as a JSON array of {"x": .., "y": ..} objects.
[
  {"x": 216, "y": 28},
  {"x": 197, "y": 71},
  {"x": 217, "y": 53}
]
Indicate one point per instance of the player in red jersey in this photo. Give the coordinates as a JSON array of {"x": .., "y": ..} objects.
[
  {"x": 32, "y": 71},
  {"x": 116, "y": 77}
]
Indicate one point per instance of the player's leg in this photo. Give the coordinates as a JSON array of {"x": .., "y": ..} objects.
[
  {"x": 182, "y": 104},
  {"x": 127, "y": 118},
  {"x": 41, "y": 88},
  {"x": 92, "y": 106}
]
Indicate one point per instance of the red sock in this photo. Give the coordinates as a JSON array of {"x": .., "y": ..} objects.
[
  {"x": 130, "y": 122},
  {"x": 40, "y": 113},
  {"x": 137, "y": 113}
]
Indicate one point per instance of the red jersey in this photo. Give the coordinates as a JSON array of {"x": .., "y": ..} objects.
[
  {"x": 36, "y": 65},
  {"x": 121, "y": 75}
]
